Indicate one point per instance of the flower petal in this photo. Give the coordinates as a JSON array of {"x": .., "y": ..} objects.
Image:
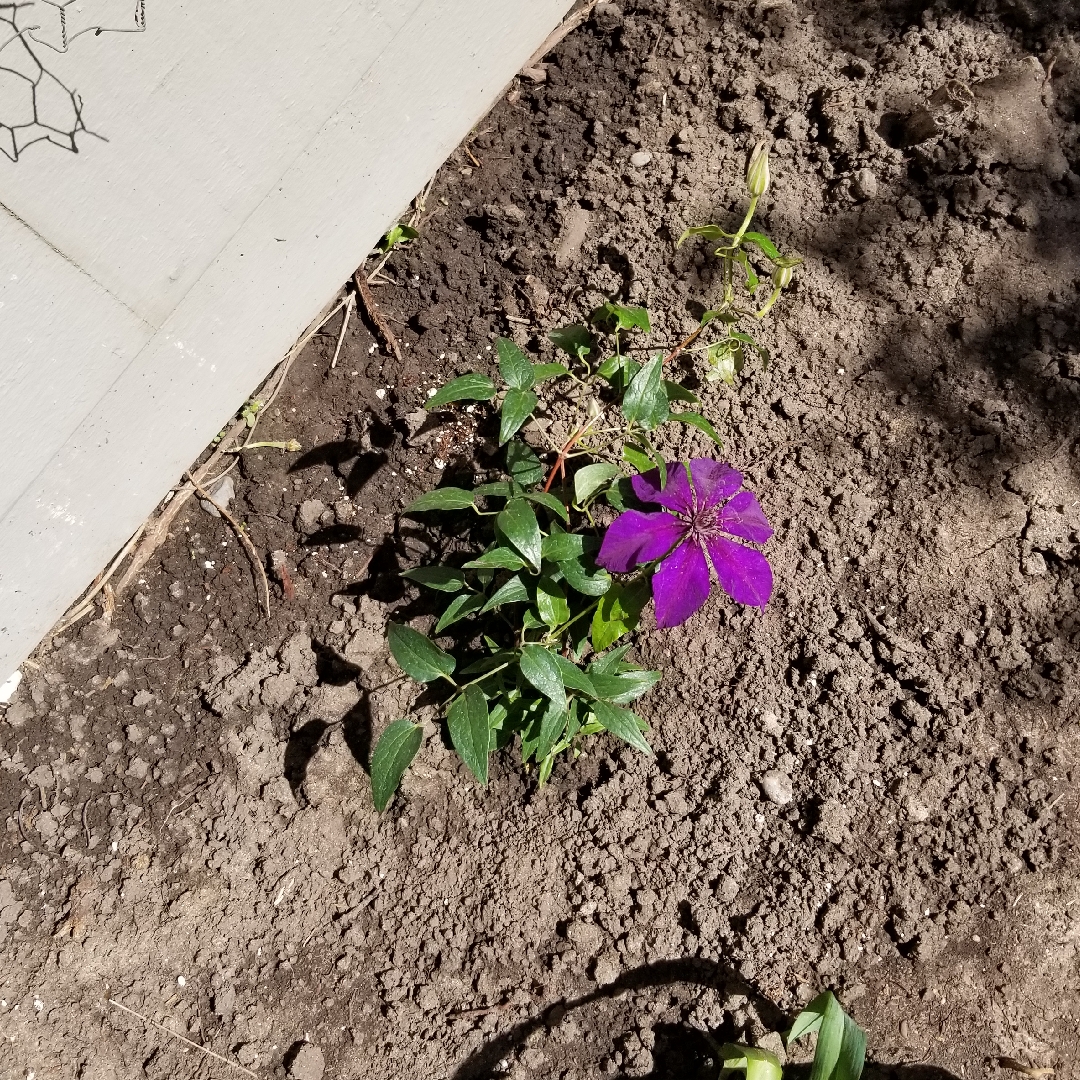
[
  {"x": 634, "y": 537},
  {"x": 681, "y": 585},
  {"x": 714, "y": 481},
  {"x": 676, "y": 493},
  {"x": 743, "y": 516},
  {"x": 745, "y": 574}
]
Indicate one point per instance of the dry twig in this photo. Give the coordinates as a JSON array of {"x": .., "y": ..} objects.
[
  {"x": 244, "y": 539},
  {"x": 376, "y": 316},
  {"x": 187, "y": 1042},
  {"x": 571, "y": 22},
  {"x": 350, "y": 303}
]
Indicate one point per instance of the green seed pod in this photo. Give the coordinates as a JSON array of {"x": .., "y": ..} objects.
[
  {"x": 757, "y": 173},
  {"x": 781, "y": 276}
]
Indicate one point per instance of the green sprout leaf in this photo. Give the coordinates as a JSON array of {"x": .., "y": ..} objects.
[
  {"x": 618, "y": 612},
  {"x": 620, "y": 722},
  {"x": 759, "y": 1064},
  {"x": 541, "y": 669},
  {"x": 543, "y": 372},
  {"x": 522, "y": 464},
  {"x": 624, "y": 688},
  {"x": 517, "y": 406},
  {"x": 447, "y": 498},
  {"x": 710, "y": 232},
  {"x": 512, "y": 591},
  {"x": 559, "y": 546},
  {"x": 394, "y": 751},
  {"x": 587, "y": 580},
  {"x": 551, "y": 602},
  {"x": 552, "y": 725},
  {"x": 637, "y": 457},
  {"x": 500, "y": 558},
  {"x": 841, "y": 1046},
  {"x": 626, "y": 318},
  {"x": 499, "y": 488},
  {"x": 697, "y": 420},
  {"x": 519, "y": 525},
  {"x": 545, "y": 498},
  {"x": 514, "y": 366},
  {"x": 768, "y": 248},
  {"x": 574, "y": 677},
  {"x": 443, "y": 578},
  {"x": 417, "y": 655},
  {"x": 589, "y": 480},
  {"x": 396, "y": 235},
  {"x": 470, "y": 731},
  {"x": 458, "y": 608},
  {"x": 575, "y": 340},
  {"x": 646, "y": 402},
  {"x": 464, "y": 388},
  {"x": 676, "y": 392}
]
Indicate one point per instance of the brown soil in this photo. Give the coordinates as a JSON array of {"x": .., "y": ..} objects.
[{"x": 188, "y": 822}]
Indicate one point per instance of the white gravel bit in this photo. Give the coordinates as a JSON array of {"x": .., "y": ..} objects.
[
  {"x": 777, "y": 787},
  {"x": 640, "y": 159}
]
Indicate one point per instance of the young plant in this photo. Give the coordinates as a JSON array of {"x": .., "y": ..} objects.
[
  {"x": 537, "y": 658},
  {"x": 399, "y": 234},
  {"x": 839, "y": 1055},
  {"x": 727, "y": 355}
]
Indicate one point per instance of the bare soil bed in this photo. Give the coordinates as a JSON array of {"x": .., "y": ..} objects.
[{"x": 188, "y": 828}]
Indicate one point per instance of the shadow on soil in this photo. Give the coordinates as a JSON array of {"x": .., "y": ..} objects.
[{"x": 680, "y": 1052}]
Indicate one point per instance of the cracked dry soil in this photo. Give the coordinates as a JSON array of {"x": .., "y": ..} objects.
[{"x": 872, "y": 786}]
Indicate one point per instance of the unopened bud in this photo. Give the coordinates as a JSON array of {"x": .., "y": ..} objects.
[
  {"x": 757, "y": 173},
  {"x": 781, "y": 276}
]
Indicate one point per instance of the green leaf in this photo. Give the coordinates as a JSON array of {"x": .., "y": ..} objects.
[
  {"x": 619, "y": 372},
  {"x": 625, "y": 317},
  {"x": 443, "y": 578},
  {"x": 470, "y": 731},
  {"x": 396, "y": 235},
  {"x": 543, "y": 372},
  {"x": 579, "y": 577},
  {"x": 541, "y": 669},
  {"x": 624, "y": 688},
  {"x": 645, "y": 402},
  {"x": 517, "y": 406},
  {"x": 496, "y": 489},
  {"x": 499, "y": 558},
  {"x": 552, "y": 725},
  {"x": 608, "y": 664},
  {"x": 447, "y": 498},
  {"x": 560, "y": 546},
  {"x": 677, "y": 392},
  {"x": 395, "y": 749},
  {"x": 768, "y": 248},
  {"x": 576, "y": 340},
  {"x": 591, "y": 479},
  {"x": 620, "y": 722},
  {"x": 522, "y": 464},
  {"x": 574, "y": 677},
  {"x": 637, "y": 457},
  {"x": 752, "y": 280},
  {"x": 721, "y": 358},
  {"x": 618, "y": 612},
  {"x": 514, "y": 366},
  {"x": 697, "y": 420},
  {"x": 470, "y": 387},
  {"x": 458, "y": 609},
  {"x": 488, "y": 663},
  {"x": 512, "y": 591},
  {"x": 417, "y": 655},
  {"x": 759, "y": 1064},
  {"x": 841, "y": 1045},
  {"x": 518, "y": 524},
  {"x": 551, "y": 602},
  {"x": 710, "y": 232},
  {"x": 544, "y": 498}
]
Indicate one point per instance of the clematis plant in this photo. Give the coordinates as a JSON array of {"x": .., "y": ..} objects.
[{"x": 704, "y": 507}]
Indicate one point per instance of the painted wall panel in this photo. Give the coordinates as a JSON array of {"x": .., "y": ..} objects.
[{"x": 268, "y": 257}]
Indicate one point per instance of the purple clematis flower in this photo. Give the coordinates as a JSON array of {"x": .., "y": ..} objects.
[{"x": 690, "y": 533}]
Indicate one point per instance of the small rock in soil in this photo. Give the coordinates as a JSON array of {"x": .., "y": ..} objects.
[
  {"x": 777, "y": 787},
  {"x": 308, "y": 1064},
  {"x": 307, "y": 517},
  {"x": 864, "y": 185},
  {"x": 640, "y": 159},
  {"x": 223, "y": 493}
]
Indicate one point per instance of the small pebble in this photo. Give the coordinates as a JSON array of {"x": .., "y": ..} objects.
[
  {"x": 777, "y": 787},
  {"x": 864, "y": 184},
  {"x": 308, "y": 1064},
  {"x": 640, "y": 159},
  {"x": 222, "y": 493}
]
